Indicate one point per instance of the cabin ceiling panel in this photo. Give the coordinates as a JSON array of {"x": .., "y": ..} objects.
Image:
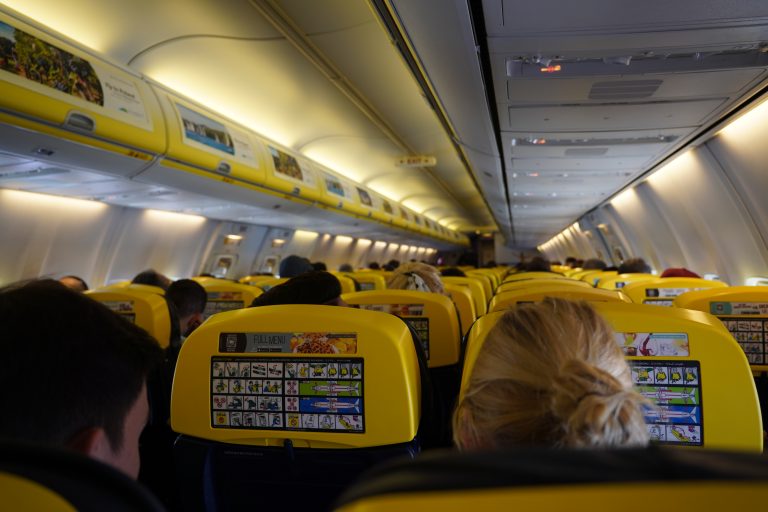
[
  {"x": 647, "y": 115},
  {"x": 547, "y": 17},
  {"x": 657, "y": 86}
]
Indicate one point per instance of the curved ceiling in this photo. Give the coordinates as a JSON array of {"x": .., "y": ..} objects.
[{"x": 321, "y": 78}]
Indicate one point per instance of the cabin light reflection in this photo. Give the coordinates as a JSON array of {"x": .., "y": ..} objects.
[
  {"x": 166, "y": 216},
  {"x": 34, "y": 200}
]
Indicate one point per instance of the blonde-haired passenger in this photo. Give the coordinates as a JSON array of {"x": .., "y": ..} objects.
[
  {"x": 416, "y": 276},
  {"x": 550, "y": 374}
]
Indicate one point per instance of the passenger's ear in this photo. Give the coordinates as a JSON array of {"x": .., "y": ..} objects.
[
  {"x": 194, "y": 322},
  {"x": 92, "y": 442}
]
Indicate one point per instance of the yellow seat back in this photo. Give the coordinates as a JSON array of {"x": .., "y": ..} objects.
[
  {"x": 581, "y": 273},
  {"x": 347, "y": 283},
  {"x": 254, "y": 280},
  {"x": 493, "y": 276},
  {"x": 266, "y": 284},
  {"x": 619, "y": 281},
  {"x": 484, "y": 281},
  {"x": 225, "y": 295},
  {"x": 370, "y": 280},
  {"x": 744, "y": 312},
  {"x": 595, "y": 278},
  {"x": 533, "y": 275},
  {"x": 533, "y": 283},
  {"x": 543, "y": 479},
  {"x": 662, "y": 290},
  {"x": 431, "y": 315},
  {"x": 675, "y": 354},
  {"x": 475, "y": 288},
  {"x": 321, "y": 376},
  {"x": 462, "y": 297},
  {"x": 508, "y": 299},
  {"x": 24, "y": 495},
  {"x": 148, "y": 310}
]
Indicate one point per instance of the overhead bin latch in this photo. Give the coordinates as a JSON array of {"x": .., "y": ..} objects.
[
  {"x": 80, "y": 122},
  {"x": 224, "y": 168}
]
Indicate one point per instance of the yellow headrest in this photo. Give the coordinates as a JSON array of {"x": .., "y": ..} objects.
[
  {"x": 465, "y": 304},
  {"x": 533, "y": 275},
  {"x": 347, "y": 283},
  {"x": 581, "y": 273},
  {"x": 484, "y": 281},
  {"x": 662, "y": 290},
  {"x": 701, "y": 495},
  {"x": 322, "y": 376},
  {"x": 431, "y": 315},
  {"x": 533, "y": 283},
  {"x": 146, "y": 309},
  {"x": 621, "y": 280},
  {"x": 23, "y": 495},
  {"x": 686, "y": 350},
  {"x": 508, "y": 299},
  {"x": 475, "y": 288},
  {"x": 266, "y": 284},
  {"x": 254, "y": 280},
  {"x": 744, "y": 312},
  {"x": 225, "y": 296},
  {"x": 595, "y": 278}
]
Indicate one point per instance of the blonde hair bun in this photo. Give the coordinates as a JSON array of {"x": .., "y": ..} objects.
[{"x": 594, "y": 408}]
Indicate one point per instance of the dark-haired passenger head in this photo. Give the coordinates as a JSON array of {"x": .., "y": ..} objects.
[
  {"x": 634, "y": 266},
  {"x": 292, "y": 266},
  {"x": 538, "y": 264},
  {"x": 570, "y": 261},
  {"x": 73, "y": 373},
  {"x": 189, "y": 298},
  {"x": 75, "y": 283},
  {"x": 309, "y": 288},
  {"x": 374, "y": 266},
  {"x": 152, "y": 277},
  {"x": 346, "y": 267},
  {"x": 453, "y": 272},
  {"x": 594, "y": 264},
  {"x": 319, "y": 265}
]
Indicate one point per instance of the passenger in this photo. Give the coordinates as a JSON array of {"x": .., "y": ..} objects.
[
  {"x": 594, "y": 264},
  {"x": 320, "y": 266},
  {"x": 634, "y": 266},
  {"x": 417, "y": 276},
  {"x": 391, "y": 265},
  {"x": 453, "y": 272},
  {"x": 679, "y": 272},
  {"x": 153, "y": 278},
  {"x": 374, "y": 266},
  {"x": 75, "y": 283},
  {"x": 346, "y": 267},
  {"x": 73, "y": 373},
  {"x": 550, "y": 374},
  {"x": 309, "y": 288},
  {"x": 189, "y": 299},
  {"x": 570, "y": 261},
  {"x": 293, "y": 266},
  {"x": 538, "y": 264}
]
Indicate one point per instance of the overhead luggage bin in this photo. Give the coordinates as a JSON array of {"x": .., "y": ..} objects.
[
  {"x": 289, "y": 174},
  {"x": 63, "y": 105},
  {"x": 340, "y": 193},
  {"x": 203, "y": 140}
]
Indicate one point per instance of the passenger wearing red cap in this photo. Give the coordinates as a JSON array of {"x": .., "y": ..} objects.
[{"x": 679, "y": 272}]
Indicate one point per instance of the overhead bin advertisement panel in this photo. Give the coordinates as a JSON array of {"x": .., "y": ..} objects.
[
  {"x": 342, "y": 193},
  {"x": 291, "y": 176},
  {"x": 50, "y": 81},
  {"x": 202, "y": 139}
]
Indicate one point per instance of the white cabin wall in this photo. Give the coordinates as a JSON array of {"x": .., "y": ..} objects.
[
  {"x": 243, "y": 252},
  {"x": 172, "y": 244},
  {"x": 690, "y": 214},
  {"x": 52, "y": 236}
]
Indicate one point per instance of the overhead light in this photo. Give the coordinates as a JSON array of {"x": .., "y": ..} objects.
[
  {"x": 278, "y": 242},
  {"x": 173, "y": 216},
  {"x": 234, "y": 238}
]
